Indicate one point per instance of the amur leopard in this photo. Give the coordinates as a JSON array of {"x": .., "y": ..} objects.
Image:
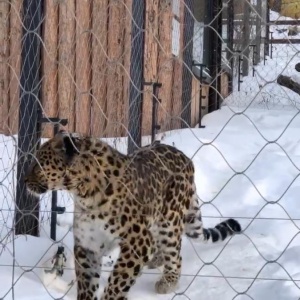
[{"x": 144, "y": 202}]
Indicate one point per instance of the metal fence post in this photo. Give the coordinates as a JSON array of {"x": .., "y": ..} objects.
[
  {"x": 136, "y": 75},
  {"x": 155, "y": 100},
  {"x": 267, "y": 40},
  {"x": 230, "y": 50},
  {"x": 54, "y": 208},
  {"x": 258, "y": 31},
  {"x": 216, "y": 55},
  {"x": 187, "y": 57},
  {"x": 246, "y": 38},
  {"x": 27, "y": 206}
]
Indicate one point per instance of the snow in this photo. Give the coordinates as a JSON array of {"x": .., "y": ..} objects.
[{"x": 247, "y": 161}]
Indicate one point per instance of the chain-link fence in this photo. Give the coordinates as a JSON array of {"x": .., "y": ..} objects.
[{"x": 219, "y": 80}]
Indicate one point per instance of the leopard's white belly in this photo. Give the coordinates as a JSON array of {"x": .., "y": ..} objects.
[{"x": 94, "y": 235}]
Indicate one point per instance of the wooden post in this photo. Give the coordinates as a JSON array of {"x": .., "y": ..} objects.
[
  {"x": 246, "y": 38},
  {"x": 4, "y": 70},
  {"x": 27, "y": 205},
  {"x": 114, "y": 67},
  {"x": 49, "y": 65},
  {"x": 66, "y": 62},
  {"x": 179, "y": 65},
  {"x": 150, "y": 61},
  {"x": 15, "y": 63},
  {"x": 99, "y": 65},
  {"x": 165, "y": 64},
  {"x": 126, "y": 68},
  {"x": 258, "y": 31},
  {"x": 83, "y": 67}
]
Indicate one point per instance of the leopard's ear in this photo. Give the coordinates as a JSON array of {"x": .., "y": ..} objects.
[{"x": 66, "y": 144}]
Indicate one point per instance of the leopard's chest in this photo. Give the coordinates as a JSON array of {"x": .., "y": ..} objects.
[{"x": 94, "y": 234}]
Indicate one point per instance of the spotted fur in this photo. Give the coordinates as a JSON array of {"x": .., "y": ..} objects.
[{"x": 143, "y": 202}]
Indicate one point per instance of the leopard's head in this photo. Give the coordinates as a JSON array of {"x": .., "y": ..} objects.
[{"x": 50, "y": 162}]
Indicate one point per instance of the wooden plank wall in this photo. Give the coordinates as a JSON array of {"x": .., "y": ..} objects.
[
  {"x": 96, "y": 74},
  {"x": 49, "y": 64},
  {"x": 14, "y": 61},
  {"x": 4, "y": 65},
  {"x": 162, "y": 66},
  {"x": 86, "y": 65}
]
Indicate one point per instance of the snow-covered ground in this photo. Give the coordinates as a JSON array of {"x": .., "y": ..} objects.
[{"x": 247, "y": 161}]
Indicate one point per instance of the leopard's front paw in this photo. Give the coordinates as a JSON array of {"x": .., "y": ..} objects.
[{"x": 166, "y": 285}]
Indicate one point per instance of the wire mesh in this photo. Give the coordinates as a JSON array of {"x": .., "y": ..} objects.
[{"x": 233, "y": 62}]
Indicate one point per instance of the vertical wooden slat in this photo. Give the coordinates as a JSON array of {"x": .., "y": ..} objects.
[
  {"x": 83, "y": 66},
  {"x": 150, "y": 61},
  {"x": 177, "y": 75},
  {"x": 205, "y": 93},
  {"x": 66, "y": 62},
  {"x": 115, "y": 69},
  {"x": 195, "y": 101},
  {"x": 177, "y": 94},
  {"x": 224, "y": 85},
  {"x": 4, "y": 70},
  {"x": 165, "y": 64},
  {"x": 49, "y": 64},
  {"x": 124, "y": 108},
  {"x": 15, "y": 63},
  {"x": 99, "y": 65}
]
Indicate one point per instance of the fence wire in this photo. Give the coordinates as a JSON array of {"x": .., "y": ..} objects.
[{"x": 219, "y": 80}]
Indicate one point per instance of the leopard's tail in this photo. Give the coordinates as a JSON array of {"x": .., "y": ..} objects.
[
  {"x": 219, "y": 233},
  {"x": 194, "y": 227}
]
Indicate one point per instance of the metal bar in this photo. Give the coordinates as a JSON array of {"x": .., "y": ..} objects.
[
  {"x": 267, "y": 40},
  {"x": 187, "y": 56},
  {"x": 29, "y": 114},
  {"x": 54, "y": 208},
  {"x": 286, "y": 41},
  {"x": 285, "y": 22},
  {"x": 258, "y": 31},
  {"x": 253, "y": 58},
  {"x": 53, "y": 220},
  {"x": 240, "y": 59},
  {"x": 279, "y": 22},
  {"x": 230, "y": 27},
  {"x": 136, "y": 75},
  {"x": 246, "y": 38},
  {"x": 155, "y": 99},
  {"x": 216, "y": 23},
  {"x": 271, "y": 44}
]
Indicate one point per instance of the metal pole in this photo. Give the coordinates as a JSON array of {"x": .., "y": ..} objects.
[
  {"x": 267, "y": 27},
  {"x": 187, "y": 56},
  {"x": 54, "y": 208},
  {"x": 253, "y": 58},
  {"x": 214, "y": 99},
  {"x": 230, "y": 49},
  {"x": 136, "y": 75},
  {"x": 258, "y": 31},
  {"x": 155, "y": 101},
  {"x": 240, "y": 59},
  {"x": 271, "y": 44},
  {"x": 27, "y": 205},
  {"x": 246, "y": 38}
]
